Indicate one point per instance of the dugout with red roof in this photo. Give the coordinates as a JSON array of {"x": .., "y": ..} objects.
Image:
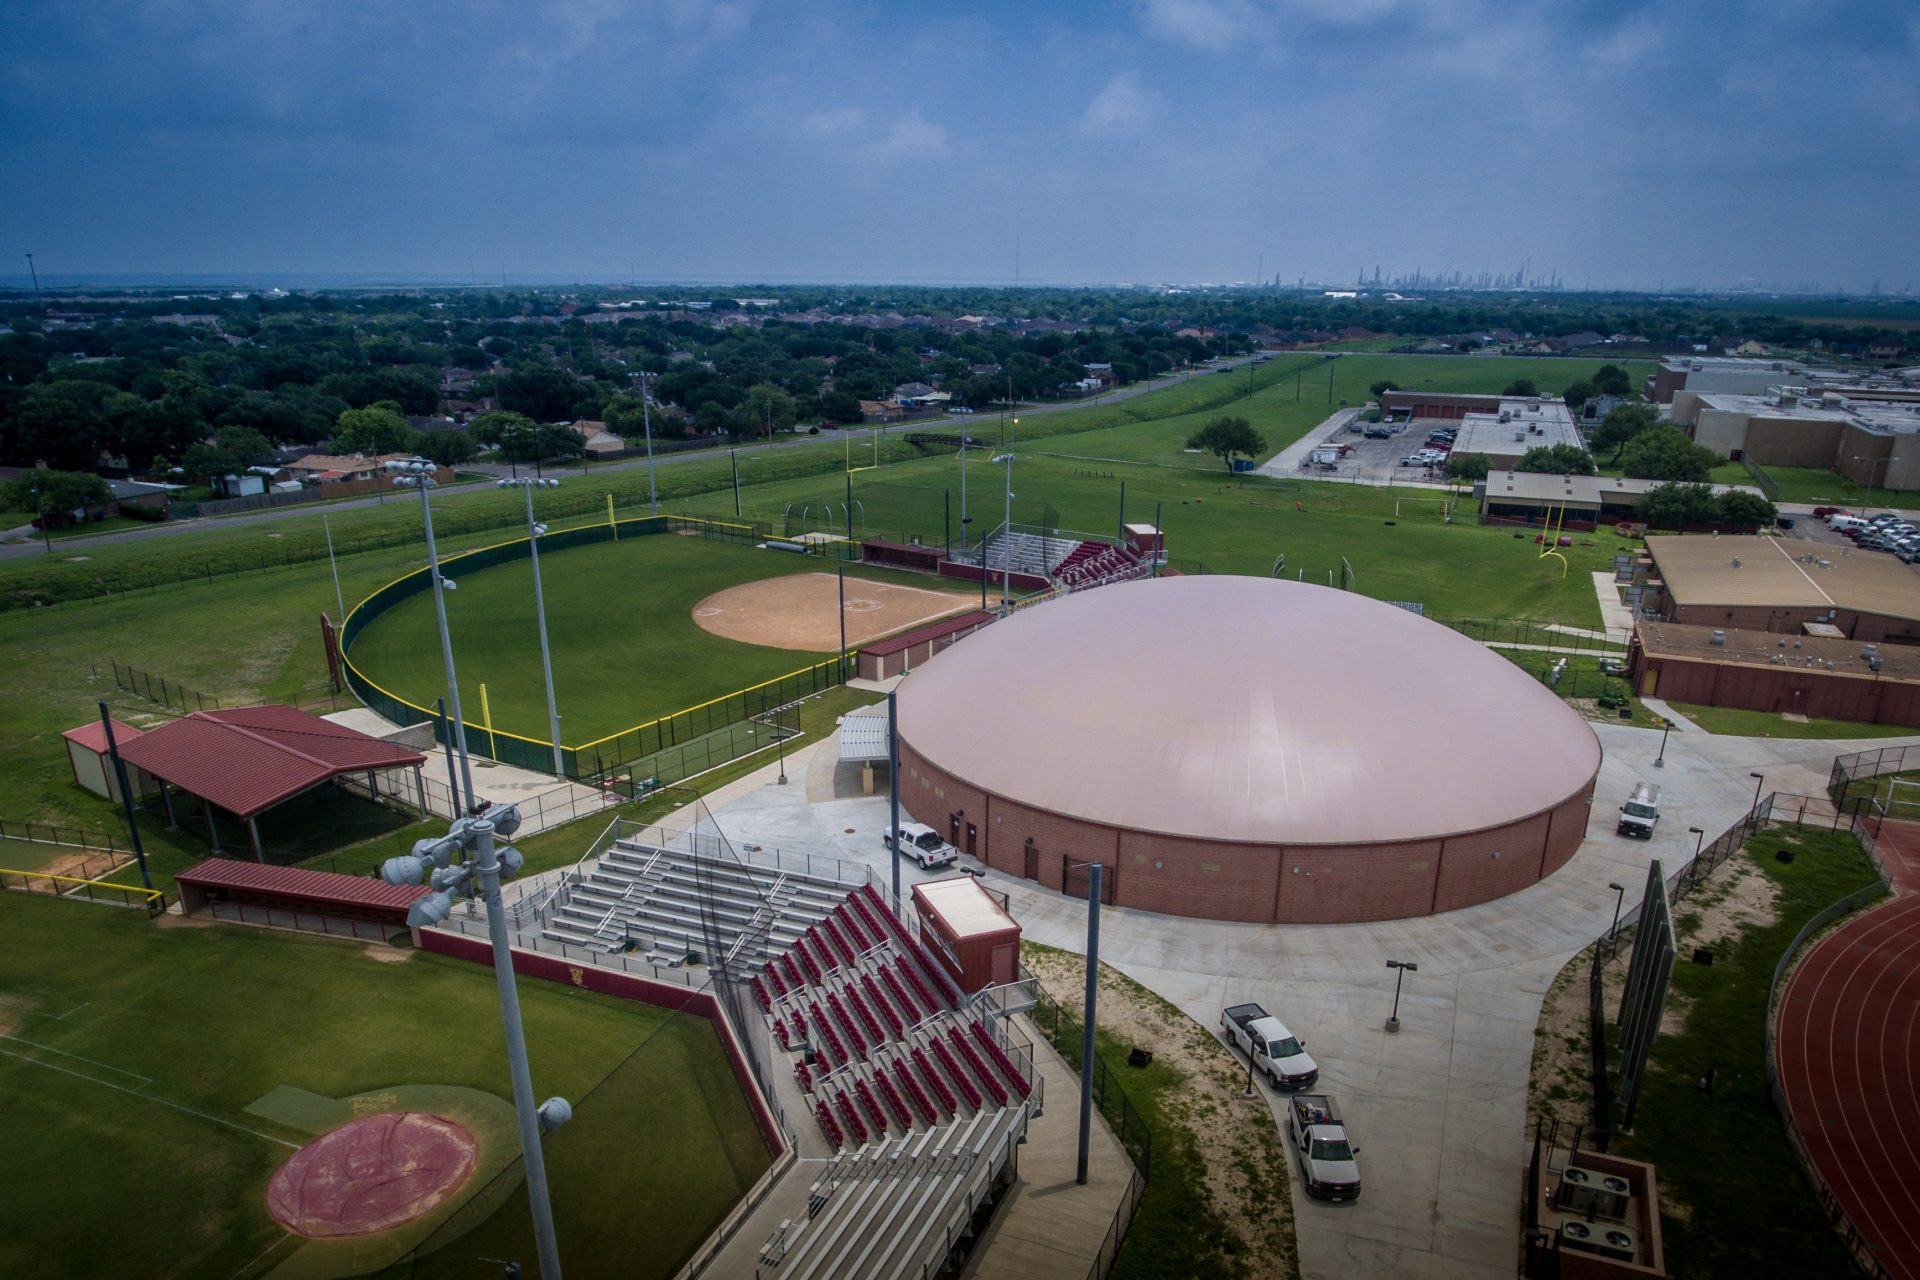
[
  {"x": 295, "y": 889},
  {"x": 246, "y": 760}
]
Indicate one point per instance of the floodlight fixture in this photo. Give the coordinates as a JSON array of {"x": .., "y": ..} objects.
[
  {"x": 505, "y": 819},
  {"x": 403, "y": 870},
  {"x": 540, "y": 529},
  {"x": 553, "y": 1113},
  {"x": 512, "y": 861},
  {"x": 431, "y": 909}
]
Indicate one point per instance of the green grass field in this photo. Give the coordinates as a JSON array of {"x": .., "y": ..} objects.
[
  {"x": 131, "y": 1052},
  {"x": 1767, "y": 724},
  {"x": 620, "y": 625}
]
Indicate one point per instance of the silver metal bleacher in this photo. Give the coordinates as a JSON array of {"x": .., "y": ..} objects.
[{"x": 665, "y": 902}]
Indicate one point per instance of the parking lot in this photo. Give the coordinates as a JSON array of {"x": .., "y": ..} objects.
[
  {"x": 1377, "y": 461},
  {"x": 1813, "y": 529}
]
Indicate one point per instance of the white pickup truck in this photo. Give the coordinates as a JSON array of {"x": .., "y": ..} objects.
[
  {"x": 1327, "y": 1165},
  {"x": 1276, "y": 1054},
  {"x": 923, "y": 844}
]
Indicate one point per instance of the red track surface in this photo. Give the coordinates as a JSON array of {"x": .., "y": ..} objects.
[{"x": 1849, "y": 1060}]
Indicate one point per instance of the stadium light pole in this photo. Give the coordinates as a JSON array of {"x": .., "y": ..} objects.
[
  {"x": 646, "y": 424},
  {"x": 966, "y": 517},
  {"x": 893, "y": 788},
  {"x": 1401, "y": 969},
  {"x": 1087, "y": 1014},
  {"x": 485, "y": 865},
  {"x": 535, "y": 531},
  {"x": 126, "y": 795},
  {"x": 333, "y": 564},
  {"x": 1006, "y": 582},
  {"x": 419, "y": 475}
]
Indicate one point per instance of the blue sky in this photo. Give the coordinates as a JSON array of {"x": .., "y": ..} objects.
[{"x": 1167, "y": 140}]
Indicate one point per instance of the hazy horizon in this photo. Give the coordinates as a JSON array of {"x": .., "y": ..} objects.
[{"x": 1624, "y": 146}]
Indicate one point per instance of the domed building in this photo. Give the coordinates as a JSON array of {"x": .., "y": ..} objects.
[{"x": 1246, "y": 749}]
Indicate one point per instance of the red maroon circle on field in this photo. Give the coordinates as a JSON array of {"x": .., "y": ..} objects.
[{"x": 372, "y": 1174}]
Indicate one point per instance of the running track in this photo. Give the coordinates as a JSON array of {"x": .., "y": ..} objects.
[{"x": 1848, "y": 1054}]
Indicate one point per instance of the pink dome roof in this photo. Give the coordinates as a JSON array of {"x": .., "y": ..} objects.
[{"x": 1247, "y": 709}]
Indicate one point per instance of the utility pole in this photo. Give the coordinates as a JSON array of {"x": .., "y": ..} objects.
[{"x": 733, "y": 458}]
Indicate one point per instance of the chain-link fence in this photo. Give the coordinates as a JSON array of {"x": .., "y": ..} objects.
[
  {"x": 1062, "y": 1027},
  {"x": 598, "y": 758},
  {"x": 71, "y": 837},
  {"x": 79, "y": 889}
]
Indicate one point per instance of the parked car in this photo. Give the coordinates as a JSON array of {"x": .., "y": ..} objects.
[
  {"x": 1326, "y": 1155},
  {"x": 923, "y": 845},
  {"x": 1275, "y": 1052},
  {"x": 1783, "y": 522},
  {"x": 1821, "y": 513}
]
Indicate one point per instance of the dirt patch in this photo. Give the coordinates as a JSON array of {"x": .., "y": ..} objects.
[
  {"x": 1244, "y": 1179},
  {"x": 12, "y": 1009},
  {"x": 802, "y": 611},
  {"x": 387, "y": 955},
  {"x": 1560, "y": 1088},
  {"x": 84, "y": 864}
]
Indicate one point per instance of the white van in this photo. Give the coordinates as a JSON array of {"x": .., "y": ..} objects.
[{"x": 1840, "y": 524}]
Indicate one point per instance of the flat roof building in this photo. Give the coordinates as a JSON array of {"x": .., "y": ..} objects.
[
  {"x": 1780, "y": 584},
  {"x": 1505, "y": 434},
  {"x": 1773, "y": 671},
  {"x": 1864, "y": 436},
  {"x": 1737, "y": 374},
  {"x": 1581, "y": 501}
]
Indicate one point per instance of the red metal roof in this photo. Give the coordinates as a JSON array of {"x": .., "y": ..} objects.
[
  {"x": 93, "y": 735},
  {"x": 301, "y": 884},
  {"x": 932, "y": 631},
  {"x": 248, "y": 759}
]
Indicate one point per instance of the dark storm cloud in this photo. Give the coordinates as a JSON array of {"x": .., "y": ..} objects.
[{"x": 1173, "y": 139}]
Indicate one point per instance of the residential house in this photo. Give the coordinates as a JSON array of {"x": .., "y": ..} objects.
[
  {"x": 881, "y": 411},
  {"x": 596, "y": 438}
]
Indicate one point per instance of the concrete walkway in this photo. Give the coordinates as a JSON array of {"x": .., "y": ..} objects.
[
  {"x": 1615, "y": 614},
  {"x": 1438, "y": 1110},
  {"x": 1051, "y": 1226},
  {"x": 1681, "y": 724}
]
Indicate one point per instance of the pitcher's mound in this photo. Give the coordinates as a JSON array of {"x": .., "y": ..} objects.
[
  {"x": 802, "y": 611},
  {"x": 372, "y": 1174}
]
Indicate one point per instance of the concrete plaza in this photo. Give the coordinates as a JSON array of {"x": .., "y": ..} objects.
[{"x": 1438, "y": 1110}]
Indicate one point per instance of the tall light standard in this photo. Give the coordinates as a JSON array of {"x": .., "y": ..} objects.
[
  {"x": 420, "y": 475},
  {"x": 1759, "y": 781},
  {"x": 1871, "y": 464},
  {"x": 1666, "y": 727},
  {"x": 1619, "y": 897},
  {"x": 966, "y": 517},
  {"x": 1699, "y": 838},
  {"x": 1006, "y": 589},
  {"x": 1087, "y": 1014},
  {"x": 536, "y": 531},
  {"x": 1402, "y": 968},
  {"x": 484, "y": 865},
  {"x": 646, "y": 424}
]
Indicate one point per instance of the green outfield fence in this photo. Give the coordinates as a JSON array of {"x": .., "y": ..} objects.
[{"x": 681, "y": 743}]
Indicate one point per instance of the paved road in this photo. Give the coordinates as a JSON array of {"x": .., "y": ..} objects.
[{"x": 70, "y": 546}]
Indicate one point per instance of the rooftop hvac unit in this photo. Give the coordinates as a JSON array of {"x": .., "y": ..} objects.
[
  {"x": 1591, "y": 1193},
  {"x": 1718, "y": 637},
  {"x": 1874, "y": 663},
  {"x": 1602, "y": 1238},
  {"x": 1870, "y": 651},
  {"x": 1506, "y": 415},
  {"x": 1736, "y": 562}
]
